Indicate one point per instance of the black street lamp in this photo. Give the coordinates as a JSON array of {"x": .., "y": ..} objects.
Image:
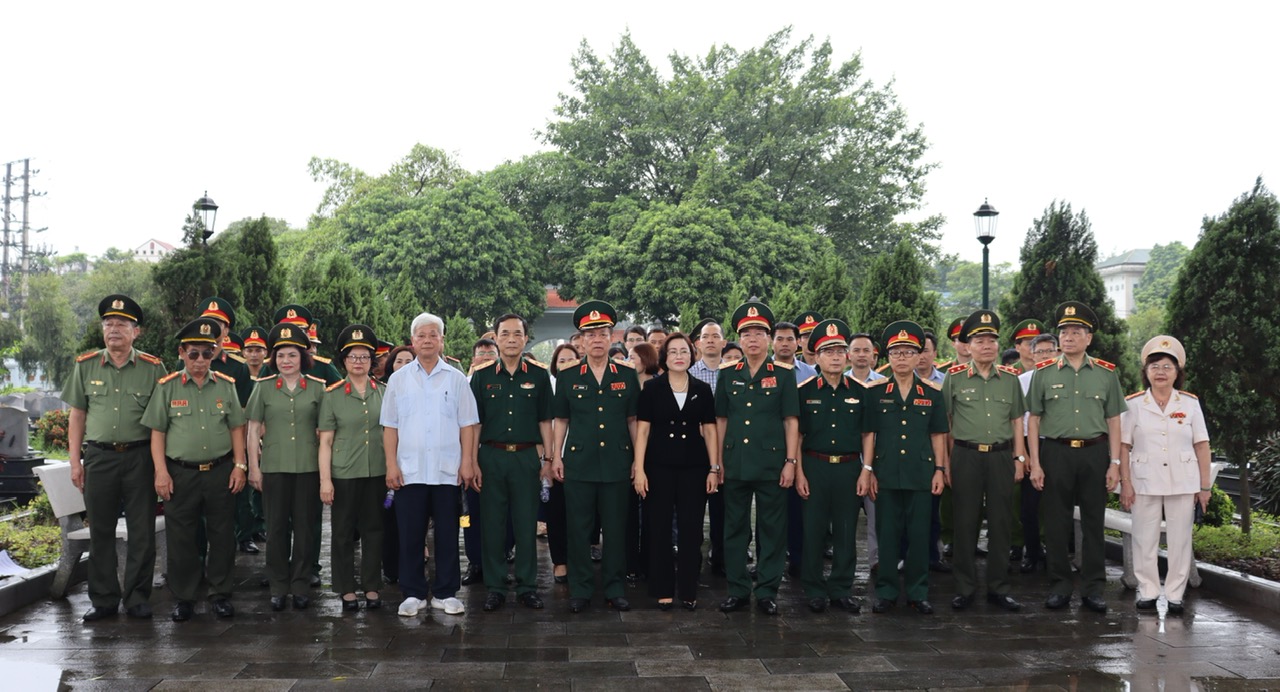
[
  {"x": 207, "y": 210},
  {"x": 984, "y": 220}
]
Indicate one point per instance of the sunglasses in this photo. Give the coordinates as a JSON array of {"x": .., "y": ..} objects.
[{"x": 206, "y": 354}]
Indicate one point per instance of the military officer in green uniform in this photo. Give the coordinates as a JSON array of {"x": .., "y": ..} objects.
[
  {"x": 908, "y": 421},
  {"x": 985, "y": 405},
  {"x": 757, "y": 416},
  {"x": 595, "y": 427},
  {"x": 283, "y": 453},
  {"x": 320, "y": 367},
  {"x": 108, "y": 390},
  {"x": 804, "y": 328},
  {"x": 1073, "y": 433},
  {"x": 831, "y": 428},
  {"x": 325, "y": 368},
  {"x": 353, "y": 469},
  {"x": 249, "y": 521},
  {"x": 232, "y": 365},
  {"x": 197, "y": 448},
  {"x": 513, "y": 396}
]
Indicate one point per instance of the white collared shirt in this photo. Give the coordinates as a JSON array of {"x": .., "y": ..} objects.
[{"x": 428, "y": 411}]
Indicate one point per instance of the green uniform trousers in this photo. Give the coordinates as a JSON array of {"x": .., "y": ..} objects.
[
  {"x": 248, "y": 514},
  {"x": 946, "y": 510},
  {"x": 833, "y": 504},
  {"x": 292, "y": 504},
  {"x": 1075, "y": 477},
  {"x": 112, "y": 479},
  {"x": 1015, "y": 516},
  {"x": 357, "y": 508},
  {"x": 981, "y": 479},
  {"x": 511, "y": 484},
  {"x": 583, "y": 499},
  {"x": 903, "y": 513},
  {"x": 201, "y": 498},
  {"x": 771, "y": 535}
]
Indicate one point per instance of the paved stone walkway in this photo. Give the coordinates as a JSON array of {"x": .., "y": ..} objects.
[{"x": 1217, "y": 644}]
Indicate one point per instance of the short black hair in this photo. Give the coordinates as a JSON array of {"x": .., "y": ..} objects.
[
  {"x": 656, "y": 330},
  {"x": 483, "y": 342},
  {"x": 786, "y": 325},
  {"x": 524, "y": 324},
  {"x": 1010, "y": 356},
  {"x": 636, "y": 329},
  {"x": 617, "y": 352},
  {"x": 696, "y": 334},
  {"x": 929, "y": 336}
]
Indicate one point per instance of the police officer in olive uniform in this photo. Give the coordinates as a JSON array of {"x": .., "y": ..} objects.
[
  {"x": 197, "y": 448},
  {"x": 231, "y": 365},
  {"x": 908, "y": 421},
  {"x": 757, "y": 416},
  {"x": 250, "y": 527},
  {"x": 1075, "y": 403},
  {"x": 108, "y": 391},
  {"x": 595, "y": 425},
  {"x": 513, "y": 396},
  {"x": 299, "y": 316},
  {"x": 831, "y": 427},
  {"x": 985, "y": 405},
  {"x": 325, "y": 368}
]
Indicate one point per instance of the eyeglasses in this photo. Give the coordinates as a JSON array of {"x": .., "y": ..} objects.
[
  {"x": 206, "y": 354},
  {"x": 359, "y": 359},
  {"x": 905, "y": 353},
  {"x": 679, "y": 352},
  {"x": 1162, "y": 367}
]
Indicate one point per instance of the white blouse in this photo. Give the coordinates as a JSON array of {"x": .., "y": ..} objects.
[{"x": 1163, "y": 458}]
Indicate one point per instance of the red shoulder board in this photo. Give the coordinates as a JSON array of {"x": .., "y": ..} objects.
[
  {"x": 168, "y": 377},
  {"x": 224, "y": 376},
  {"x": 1046, "y": 363},
  {"x": 1105, "y": 364},
  {"x": 1009, "y": 369},
  {"x": 334, "y": 386},
  {"x": 150, "y": 358},
  {"x": 86, "y": 356},
  {"x": 1193, "y": 396},
  {"x": 957, "y": 368}
]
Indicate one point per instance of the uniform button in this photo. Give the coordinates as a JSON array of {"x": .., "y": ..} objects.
[
  {"x": 684, "y": 437},
  {"x": 902, "y": 451},
  {"x": 602, "y": 426},
  {"x": 833, "y": 425},
  {"x": 601, "y": 408},
  {"x": 602, "y": 443},
  {"x": 746, "y": 422},
  {"x": 293, "y": 438},
  {"x": 671, "y": 435},
  {"x": 904, "y": 437},
  {"x": 904, "y": 422},
  {"x": 745, "y": 441},
  {"x": 748, "y": 403}
]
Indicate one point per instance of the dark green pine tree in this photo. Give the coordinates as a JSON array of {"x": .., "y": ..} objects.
[
  {"x": 1225, "y": 308},
  {"x": 828, "y": 289},
  {"x": 261, "y": 278},
  {"x": 1058, "y": 264},
  {"x": 894, "y": 290}
]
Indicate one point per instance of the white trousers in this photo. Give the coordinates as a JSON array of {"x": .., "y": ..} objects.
[{"x": 1179, "y": 515}]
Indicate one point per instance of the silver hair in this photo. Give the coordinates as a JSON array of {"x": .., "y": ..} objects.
[
  {"x": 1044, "y": 339},
  {"x": 426, "y": 318}
]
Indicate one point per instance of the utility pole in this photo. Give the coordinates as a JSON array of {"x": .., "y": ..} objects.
[
  {"x": 4, "y": 269},
  {"x": 16, "y": 299}
]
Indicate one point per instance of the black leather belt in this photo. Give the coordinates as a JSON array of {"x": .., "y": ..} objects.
[
  {"x": 1076, "y": 443},
  {"x": 199, "y": 465},
  {"x": 993, "y": 447},
  {"x": 510, "y": 446},
  {"x": 833, "y": 458},
  {"x": 117, "y": 446}
]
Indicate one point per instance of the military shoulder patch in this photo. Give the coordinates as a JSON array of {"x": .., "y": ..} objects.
[
  {"x": 477, "y": 366},
  {"x": 947, "y": 364},
  {"x": 334, "y": 386},
  {"x": 318, "y": 359},
  {"x": 729, "y": 364},
  {"x": 957, "y": 368},
  {"x": 168, "y": 377},
  {"x": 1193, "y": 396},
  {"x": 313, "y": 378},
  {"x": 789, "y": 366},
  {"x": 224, "y": 376},
  {"x": 877, "y": 383},
  {"x": 808, "y": 380},
  {"x": 150, "y": 358},
  {"x": 538, "y": 363},
  {"x": 1046, "y": 363},
  {"x": 1137, "y": 394},
  {"x": 86, "y": 356},
  {"x": 1105, "y": 364},
  {"x": 234, "y": 357},
  {"x": 624, "y": 363},
  {"x": 571, "y": 364},
  {"x": 883, "y": 369},
  {"x": 451, "y": 359},
  {"x": 933, "y": 384},
  {"x": 1009, "y": 369},
  {"x": 264, "y": 378}
]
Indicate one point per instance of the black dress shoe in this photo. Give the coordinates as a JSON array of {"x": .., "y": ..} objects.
[
  {"x": 561, "y": 578},
  {"x": 818, "y": 604},
  {"x": 1004, "y": 601},
  {"x": 301, "y": 602},
  {"x": 1057, "y": 601},
  {"x": 922, "y": 607},
  {"x": 473, "y": 575},
  {"x": 1095, "y": 603},
  {"x": 577, "y": 605},
  {"x": 1146, "y": 604},
  {"x": 372, "y": 603},
  {"x": 961, "y": 602},
  {"x": 141, "y": 611},
  {"x": 689, "y": 605},
  {"x": 99, "y": 612},
  {"x": 531, "y": 600},
  {"x": 733, "y": 603},
  {"x": 1029, "y": 563},
  {"x": 1175, "y": 607},
  {"x": 849, "y": 604},
  {"x": 277, "y": 603},
  {"x": 620, "y": 604},
  {"x": 882, "y": 605},
  {"x": 768, "y": 606},
  {"x": 182, "y": 612},
  {"x": 511, "y": 556},
  {"x": 259, "y": 537},
  {"x": 315, "y": 581},
  {"x": 632, "y": 578},
  {"x": 494, "y": 601},
  {"x": 940, "y": 566},
  {"x": 223, "y": 608},
  {"x": 249, "y": 547},
  {"x": 664, "y": 606},
  {"x": 350, "y": 606}
]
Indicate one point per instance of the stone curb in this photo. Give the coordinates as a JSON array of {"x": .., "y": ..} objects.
[
  {"x": 20, "y": 592},
  {"x": 1224, "y": 582}
]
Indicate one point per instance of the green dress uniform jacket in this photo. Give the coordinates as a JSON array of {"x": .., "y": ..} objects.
[
  {"x": 234, "y": 367},
  {"x": 357, "y": 438},
  {"x": 289, "y": 444},
  {"x": 904, "y": 452},
  {"x": 755, "y": 444},
  {"x": 1075, "y": 404},
  {"x": 197, "y": 420},
  {"x": 112, "y": 398},
  {"x": 832, "y": 418},
  {"x": 598, "y": 443}
]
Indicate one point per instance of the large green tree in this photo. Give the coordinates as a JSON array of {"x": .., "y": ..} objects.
[
  {"x": 1058, "y": 264},
  {"x": 50, "y": 329},
  {"x": 1225, "y": 308},
  {"x": 896, "y": 292},
  {"x": 1158, "y": 277},
  {"x": 261, "y": 281},
  {"x": 337, "y": 294}
]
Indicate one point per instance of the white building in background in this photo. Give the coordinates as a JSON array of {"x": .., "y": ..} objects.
[
  {"x": 153, "y": 250},
  {"x": 1121, "y": 275}
]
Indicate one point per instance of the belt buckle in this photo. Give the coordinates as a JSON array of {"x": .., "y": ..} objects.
[
  {"x": 984, "y": 448},
  {"x": 120, "y": 447},
  {"x": 513, "y": 447},
  {"x": 205, "y": 467},
  {"x": 1077, "y": 444},
  {"x": 833, "y": 459}
]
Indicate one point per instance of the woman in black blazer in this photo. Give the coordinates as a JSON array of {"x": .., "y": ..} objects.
[{"x": 675, "y": 444}]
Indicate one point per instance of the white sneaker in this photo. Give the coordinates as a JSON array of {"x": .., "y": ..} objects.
[
  {"x": 410, "y": 606},
  {"x": 452, "y": 606}
]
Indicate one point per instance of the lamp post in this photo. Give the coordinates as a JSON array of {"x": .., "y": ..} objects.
[
  {"x": 984, "y": 220},
  {"x": 207, "y": 210}
]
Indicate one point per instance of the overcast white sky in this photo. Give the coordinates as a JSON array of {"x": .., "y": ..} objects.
[{"x": 1147, "y": 115}]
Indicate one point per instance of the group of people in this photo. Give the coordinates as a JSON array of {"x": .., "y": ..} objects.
[{"x": 628, "y": 452}]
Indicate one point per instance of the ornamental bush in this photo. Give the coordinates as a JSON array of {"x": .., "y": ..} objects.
[{"x": 51, "y": 431}]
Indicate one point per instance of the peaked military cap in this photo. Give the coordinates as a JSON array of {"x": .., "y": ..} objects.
[
  {"x": 807, "y": 321},
  {"x": 383, "y": 348},
  {"x": 1028, "y": 329},
  {"x": 828, "y": 333},
  {"x": 752, "y": 313},
  {"x": 293, "y": 314},
  {"x": 232, "y": 343},
  {"x": 287, "y": 334},
  {"x": 594, "y": 314},
  {"x": 955, "y": 329},
  {"x": 312, "y": 330},
  {"x": 980, "y": 322},
  {"x": 356, "y": 336},
  {"x": 1077, "y": 313},
  {"x": 218, "y": 309},
  {"x": 903, "y": 333},
  {"x": 119, "y": 305},
  {"x": 201, "y": 330},
  {"x": 254, "y": 336},
  {"x": 1167, "y": 345}
]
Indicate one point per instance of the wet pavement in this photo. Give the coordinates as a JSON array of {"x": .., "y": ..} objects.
[{"x": 1216, "y": 645}]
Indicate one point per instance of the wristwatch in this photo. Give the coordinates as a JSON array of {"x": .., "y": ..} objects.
[
  {"x": 867, "y": 467},
  {"x": 715, "y": 468},
  {"x": 791, "y": 461},
  {"x": 1020, "y": 458},
  {"x": 1115, "y": 462},
  {"x": 243, "y": 467}
]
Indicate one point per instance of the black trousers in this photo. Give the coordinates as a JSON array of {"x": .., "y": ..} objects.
[
  {"x": 715, "y": 515},
  {"x": 357, "y": 507},
  {"x": 291, "y": 502},
  {"x": 415, "y": 504},
  {"x": 557, "y": 542},
  {"x": 680, "y": 491},
  {"x": 637, "y": 533}
]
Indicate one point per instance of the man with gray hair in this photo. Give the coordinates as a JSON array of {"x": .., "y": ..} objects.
[{"x": 430, "y": 422}]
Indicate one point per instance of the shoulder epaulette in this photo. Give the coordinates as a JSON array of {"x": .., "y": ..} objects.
[
  {"x": 150, "y": 358},
  {"x": 933, "y": 384},
  {"x": 479, "y": 365},
  {"x": 224, "y": 376},
  {"x": 168, "y": 377},
  {"x": 1045, "y": 363},
  {"x": 335, "y": 385},
  {"x": 789, "y": 366},
  {"x": 86, "y": 356},
  {"x": 882, "y": 368},
  {"x": 234, "y": 357},
  {"x": 571, "y": 364},
  {"x": 320, "y": 359},
  {"x": 808, "y": 380},
  {"x": 264, "y": 378},
  {"x": 877, "y": 383},
  {"x": 1193, "y": 396},
  {"x": 538, "y": 363},
  {"x": 625, "y": 363},
  {"x": 1009, "y": 369},
  {"x": 957, "y": 368},
  {"x": 1105, "y": 364},
  {"x": 451, "y": 359},
  {"x": 1137, "y": 394},
  {"x": 728, "y": 364},
  {"x": 947, "y": 364},
  {"x": 315, "y": 379}
]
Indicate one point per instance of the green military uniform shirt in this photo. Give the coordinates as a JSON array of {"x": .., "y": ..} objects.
[
  {"x": 755, "y": 444},
  {"x": 832, "y": 418},
  {"x": 981, "y": 407},
  {"x": 322, "y": 369},
  {"x": 1074, "y": 403},
  {"x": 904, "y": 450},
  {"x": 598, "y": 444},
  {"x": 197, "y": 420},
  {"x": 512, "y": 405},
  {"x": 290, "y": 418},
  {"x": 234, "y": 367},
  {"x": 357, "y": 432},
  {"x": 112, "y": 398}
]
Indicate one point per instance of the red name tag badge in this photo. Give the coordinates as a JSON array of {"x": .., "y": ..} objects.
[
  {"x": 769, "y": 382},
  {"x": 1178, "y": 414},
  {"x": 922, "y": 402},
  {"x": 618, "y": 385},
  {"x": 178, "y": 402}
]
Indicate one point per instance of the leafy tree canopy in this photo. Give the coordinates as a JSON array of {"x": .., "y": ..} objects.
[
  {"x": 896, "y": 292},
  {"x": 1159, "y": 275}
]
